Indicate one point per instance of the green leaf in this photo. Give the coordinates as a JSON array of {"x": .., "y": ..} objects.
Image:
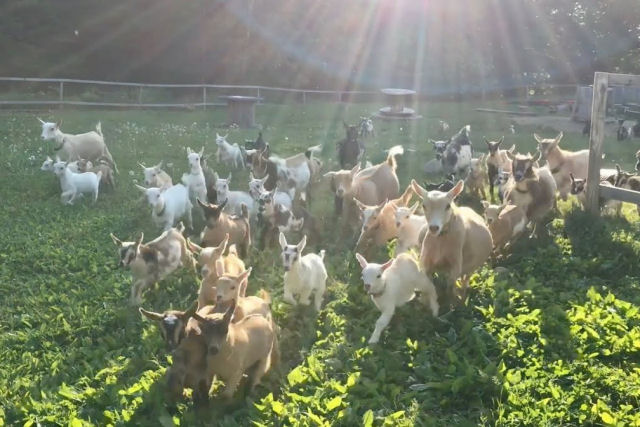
[
  {"x": 333, "y": 403},
  {"x": 607, "y": 418},
  {"x": 278, "y": 407},
  {"x": 297, "y": 376},
  {"x": 367, "y": 419}
]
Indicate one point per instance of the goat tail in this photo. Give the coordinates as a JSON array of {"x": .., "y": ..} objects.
[
  {"x": 315, "y": 149},
  {"x": 396, "y": 150},
  {"x": 264, "y": 295},
  {"x": 99, "y": 129},
  {"x": 321, "y": 254},
  {"x": 245, "y": 211},
  {"x": 233, "y": 250},
  {"x": 180, "y": 227}
]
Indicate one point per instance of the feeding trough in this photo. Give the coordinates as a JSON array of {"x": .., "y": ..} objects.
[{"x": 397, "y": 108}]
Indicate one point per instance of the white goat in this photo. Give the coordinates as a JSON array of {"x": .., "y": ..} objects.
[
  {"x": 234, "y": 199},
  {"x": 88, "y": 145},
  {"x": 155, "y": 176},
  {"x": 229, "y": 153},
  {"x": 47, "y": 165},
  {"x": 392, "y": 285},
  {"x": 256, "y": 189},
  {"x": 303, "y": 275},
  {"x": 169, "y": 205},
  {"x": 194, "y": 180},
  {"x": 74, "y": 184},
  {"x": 409, "y": 226}
]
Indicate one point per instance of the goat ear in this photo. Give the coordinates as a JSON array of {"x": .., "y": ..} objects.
[
  {"x": 571, "y": 176},
  {"x": 245, "y": 274},
  {"x": 139, "y": 241},
  {"x": 189, "y": 150},
  {"x": 382, "y": 205},
  {"x": 159, "y": 165},
  {"x": 360, "y": 205},
  {"x": 201, "y": 152},
  {"x": 58, "y": 158},
  {"x": 193, "y": 247},
  {"x": 355, "y": 170},
  {"x": 512, "y": 149},
  {"x": 484, "y": 204},
  {"x": 414, "y": 207},
  {"x": 117, "y": 241},
  {"x": 486, "y": 141},
  {"x": 264, "y": 180},
  {"x": 229, "y": 178},
  {"x": 219, "y": 267},
  {"x": 151, "y": 315},
  {"x": 215, "y": 176},
  {"x": 40, "y": 120},
  {"x": 190, "y": 311},
  {"x": 229, "y": 313},
  {"x": 203, "y": 205},
  {"x": 387, "y": 264},
  {"x": 251, "y": 177},
  {"x": 361, "y": 260},
  {"x": 226, "y": 135},
  {"x": 223, "y": 204},
  {"x": 431, "y": 141},
  {"x": 455, "y": 191},
  {"x": 537, "y": 138},
  {"x": 329, "y": 174},
  {"x": 141, "y": 188},
  {"x": 536, "y": 157},
  {"x": 142, "y": 165},
  {"x": 420, "y": 191},
  {"x": 559, "y": 137},
  {"x": 59, "y": 124},
  {"x": 511, "y": 155},
  {"x": 302, "y": 243},
  {"x": 501, "y": 140},
  {"x": 282, "y": 240},
  {"x": 219, "y": 250}
]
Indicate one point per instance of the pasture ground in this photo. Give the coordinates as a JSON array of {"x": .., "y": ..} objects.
[{"x": 555, "y": 340}]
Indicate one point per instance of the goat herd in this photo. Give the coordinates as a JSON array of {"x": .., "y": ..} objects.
[{"x": 226, "y": 333}]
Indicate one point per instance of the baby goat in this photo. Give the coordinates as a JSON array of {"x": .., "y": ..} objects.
[
  {"x": 155, "y": 176},
  {"x": 409, "y": 226},
  {"x": 76, "y": 184},
  {"x": 172, "y": 324},
  {"x": 194, "y": 180},
  {"x": 151, "y": 262},
  {"x": 219, "y": 224},
  {"x": 392, "y": 285},
  {"x": 234, "y": 199},
  {"x": 505, "y": 222},
  {"x": 303, "y": 275},
  {"x": 168, "y": 205}
]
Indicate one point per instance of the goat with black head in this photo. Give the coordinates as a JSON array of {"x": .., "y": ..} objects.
[{"x": 350, "y": 149}]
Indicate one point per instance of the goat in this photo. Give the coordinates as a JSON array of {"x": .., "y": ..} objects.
[
  {"x": 88, "y": 145},
  {"x": 392, "y": 285},
  {"x": 504, "y": 183},
  {"x": 232, "y": 287},
  {"x": 47, "y": 165},
  {"x": 366, "y": 127},
  {"x": 76, "y": 184},
  {"x": 408, "y": 225},
  {"x": 562, "y": 162},
  {"x": 220, "y": 223},
  {"x": 259, "y": 144},
  {"x": 457, "y": 241},
  {"x": 443, "y": 127},
  {"x": 209, "y": 179},
  {"x": 153, "y": 261},
  {"x": 194, "y": 180},
  {"x": 229, "y": 153},
  {"x": 107, "y": 178},
  {"x": 579, "y": 189},
  {"x": 257, "y": 189},
  {"x": 275, "y": 218},
  {"x": 350, "y": 149},
  {"x": 497, "y": 159},
  {"x": 234, "y": 199},
  {"x": 447, "y": 183},
  {"x": 623, "y": 132},
  {"x": 505, "y": 222},
  {"x": 477, "y": 177},
  {"x": 457, "y": 155},
  {"x": 172, "y": 324},
  {"x": 533, "y": 189},
  {"x": 370, "y": 186},
  {"x": 627, "y": 181},
  {"x": 304, "y": 275},
  {"x": 231, "y": 349},
  {"x": 154, "y": 176},
  {"x": 168, "y": 205}
]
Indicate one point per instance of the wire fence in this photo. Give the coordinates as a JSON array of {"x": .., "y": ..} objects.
[{"x": 38, "y": 92}]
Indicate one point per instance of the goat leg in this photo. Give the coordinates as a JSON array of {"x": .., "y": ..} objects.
[{"x": 381, "y": 324}]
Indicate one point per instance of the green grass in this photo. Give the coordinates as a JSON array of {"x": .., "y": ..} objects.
[{"x": 554, "y": 341}]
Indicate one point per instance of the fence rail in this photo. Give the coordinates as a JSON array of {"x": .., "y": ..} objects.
[{"x": 59, "y": 90}]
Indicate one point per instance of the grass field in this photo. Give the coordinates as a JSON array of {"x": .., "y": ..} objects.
[{"x": 553, "y": 341}]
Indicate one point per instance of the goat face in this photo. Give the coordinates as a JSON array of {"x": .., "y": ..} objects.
[
  {"x": 439, "y": 147},
  {"x": 151, "y": 173},
  {"x": 351, "y": 131},
  {"x": 227, "y": 286},
  {"x": 370, "y": 215},
  {"x": 546, "y": 145},
  {"x": 212, "y": 212},
  {"x": 522, "y": 166},
  {"x": 291, "y": 253},
  {"x": 491, "y": 212},
  {"x": 47, "y": 165},
  {"x": 221, "y": 139},
  {"x": 493, "y": 146},
  {"x": 222, "y": 186},
  {"x": 128, "y": 251},
  {"x": 404, "y": 213},
  {"x": 256, "y": 187},
  {"x": 372, "y": 275},
  {"x": 214, "y": 328},
  {"x": 577, "y": 184},
  {"x": 437, "y": 205},
  {"x": 502, "y": 177},
  {"x": 341, "y": 181},
  {"x": 49, "y": 130},
  {"x": 265, "y": 202},
  {"x": 59, "y": 168},
  {"x": 193, "y": 158},
  {"x": 172, "y": 324}
]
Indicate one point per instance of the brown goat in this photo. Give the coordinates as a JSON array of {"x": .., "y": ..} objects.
[{"x": 220, "y": 223}]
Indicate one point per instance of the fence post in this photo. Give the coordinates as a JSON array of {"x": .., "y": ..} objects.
[
  {"x": 258, "y": 95},
  {"x": 61, "y": 90},
  {"x": 598, "y": 112},
  {"x": 139, "y": 95},
  {"x": 204, "y": 97}
]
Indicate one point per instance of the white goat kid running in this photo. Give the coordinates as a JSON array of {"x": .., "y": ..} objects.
[
  {"x": 392, "y": 285},
  {"x": 154, "y": 176},
  {"x": 304, "y": 275},
  {"x": 76, "y": 184},
  {"x": 234, "y": 199},
  {"x": 47, "y": 165},
  {"x": 409, "y": 226},
  {"x": 169, "y": 205},
  {"x": 194, "y": 180},
  {"x": 256, "y": 189},
  {"x": 229, "y": 153}
]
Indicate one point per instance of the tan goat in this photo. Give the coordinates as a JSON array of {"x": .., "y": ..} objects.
[
  {"x": 172, "y": 323},
  {"x": 562, "y": 163},
  {"x": 370, "y": 186},
  {"x": 477, "y": 177},
  {"x": 234, "y": 348},
  {"x": 505, "y": 223},
  {"x": 220, "y": 223},
  {"x": 457, "y": 241},
  {"x": 534, "y": 189}
]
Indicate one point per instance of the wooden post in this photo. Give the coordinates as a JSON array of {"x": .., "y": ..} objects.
[
  {"x": 204, "y": 97},
  {"x": 258, "y": 96},
  {"x": 61, "y": 92},
  {"x": 598, "y": 111}
]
